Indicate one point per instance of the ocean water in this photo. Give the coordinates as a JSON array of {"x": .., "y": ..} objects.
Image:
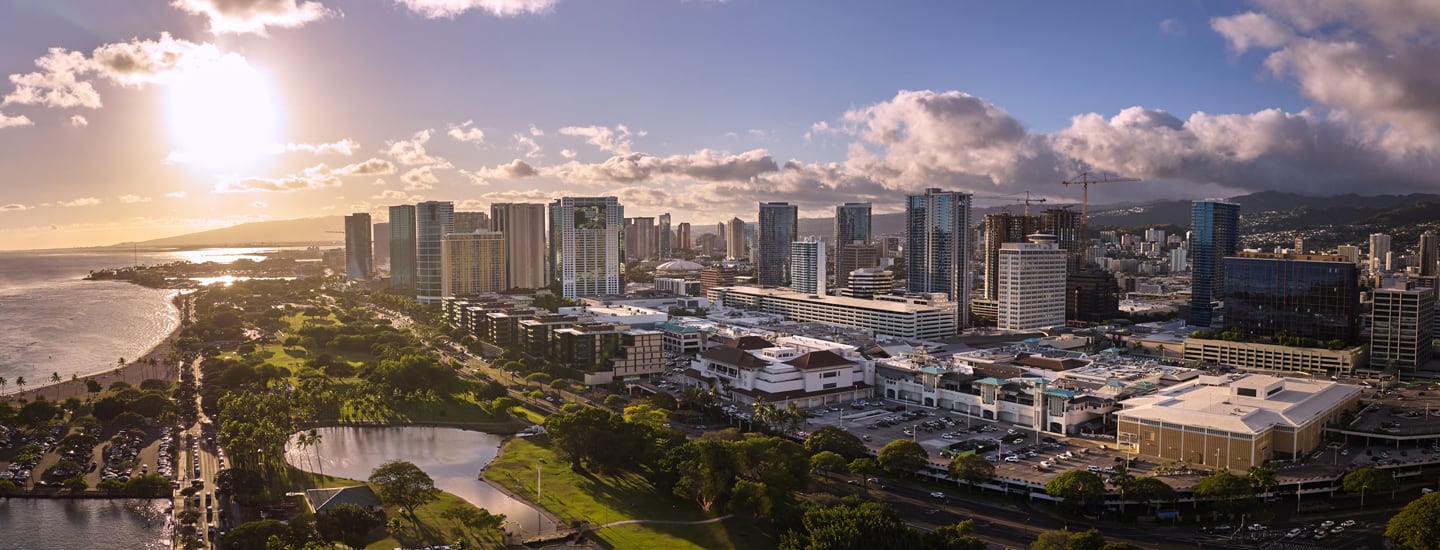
[{"x": 54, "y": 321}]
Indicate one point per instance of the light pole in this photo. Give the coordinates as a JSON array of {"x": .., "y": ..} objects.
[{"x": 538, "y": 519}]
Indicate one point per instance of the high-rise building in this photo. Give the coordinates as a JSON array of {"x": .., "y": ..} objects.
[
  {"x": 381, "y": 245},
  {"x": 402, "y": 247},
  {"x": 852, "y": 256},
  {"x": 937, "y": 252},
  {"x": 682, "y": 236},
  {"x": 470, "y": 222},
  {"x": 1294, "y": 295},
  {"x": 641, "y": 239},
  {"x": 852, "y": 223},
  {"x": 807, "y": 266},
  {"x": 665, "y": 247},
  {"x": 1064, "y": 224},
  {"x": 585, "y": 246},
  {"x": 734, "y": 233},
  {"x": 869, "y": 282},
  {"x": 1429, "y": 253},
  {"x": 1379, "y": 248},
  {"x": 1350, "y": 252},
  {"x": 777, "y": 228},
  {"x": 1300, "y": 245},
  {"x": 359, "y": 257},
  {"x": 1214, "y": 234},
  {"x": 1031, "y": 285},
  {"x": 750, "y": 249},
  {"x": 1155, "y": 235},
  {"x": 1091, "y": 298},
  {"x": 1001, "y": 228},
  {"x": 710, "y": 245},
  {"x": 523, "y": 226},
  {"x": 1177, "y": 260},
  {"x": 1401, "y": 328},
  {"x": 433, "y": 219},
  {"x": 474, "y": 263}
]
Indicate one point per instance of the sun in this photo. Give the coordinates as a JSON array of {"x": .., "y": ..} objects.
[{"x": 223, "y": 117}]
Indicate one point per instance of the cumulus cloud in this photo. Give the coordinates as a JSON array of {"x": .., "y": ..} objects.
[
  {"x": 254, "y": 16},
  {"x": 611, "y": 140},
  {"x": 371, "y": 167},
  {"x": 466, "y": 132},
  {"x": 133, "y": 199},
  {"x": 1252, "y": 30},
  {"x": 411, "y": 152},
  {"x": 515, "y": 169},
  {"x": 13, "y": 207},
  {"x": 526, "y": 195},
  {"x": 13, "y": 121},
  {"x": 319, "y": 176},
  {"x": 87, "y": 201},
  {"x": 567, "y": 153},
  {"x": 418, "y": 179},
  {"x": 1172, "y": 27},
  {"x": 449, "y": 9},
  {"x": 345, "y": 147},
  {"x": 703, "y": 165},
  {"x": 536, "y": 131},
  {"x": 64, "y": 78},
  {"x": 390, "y": 194},
  {"x": 78, "y": 121},
  {"x": 528, "y": 145}
]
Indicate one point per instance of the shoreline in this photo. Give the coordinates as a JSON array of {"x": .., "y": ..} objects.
[{"x": 133, "y": 372}]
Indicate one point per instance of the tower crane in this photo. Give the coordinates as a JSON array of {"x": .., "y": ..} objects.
[
  {"x": 1027, "y": 200},
  {"x": 1084, "y": 182}
]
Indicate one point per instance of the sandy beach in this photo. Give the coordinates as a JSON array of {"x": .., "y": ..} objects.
[{"x": 150, "y": 365}]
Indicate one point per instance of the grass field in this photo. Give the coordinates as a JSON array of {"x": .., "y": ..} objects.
[
  {"x": 601, "y": 499},
  {"x": 433, "y": 529}
]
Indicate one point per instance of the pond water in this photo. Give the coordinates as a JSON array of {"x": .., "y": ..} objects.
[
  {"x": 40, "y": 523},
  {"x": 453, "y": 458}
]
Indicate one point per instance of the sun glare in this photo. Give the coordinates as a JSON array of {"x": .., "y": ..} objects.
[{"x": 223, "y": 117}]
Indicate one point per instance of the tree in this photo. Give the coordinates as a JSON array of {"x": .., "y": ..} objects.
[
  {"x": 871, "y": 525},
  {"x": 348, "y": 524},
  {"x": 1417, "y": 526},
  {"x": 55, "y": 379},
  {"x": 1147, "y": 490},
  {"x": 1066, "y": 540},
  {"x": 599, "y": 438},
  {"x": 864, "y": 467},
  {"x": 20, "y": 383},
  {"x": 243, "y": 484},
  {"x": 77, "y": 483},
  {"x": 1226, "y": 488},
  {"x": 1368, "y": 478},
  {"x": 477, "y": 520},
  {"x": 836, "y": 440},
  {"x": 1262, "y": 480},
  {"x": 91, "y": 386},
  {"x": 903, "y": 456},
  {"x": 960, "y": 536},
  {"x": 1077, "y": 488},
  {"x": 255, "y": 535},
  {"x": 646, "y": 414},
  {"x": 751, "y": 499},
  {"x": 827, "y": 461},
  {"x": 404, "y": 484},
  {"x": 972, "y": 468}
]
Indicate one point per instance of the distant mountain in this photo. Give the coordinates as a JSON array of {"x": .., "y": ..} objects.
[{"x": 328, "y": 229}]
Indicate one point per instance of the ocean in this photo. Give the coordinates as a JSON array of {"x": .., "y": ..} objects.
[{"x": 56, "y": 322}]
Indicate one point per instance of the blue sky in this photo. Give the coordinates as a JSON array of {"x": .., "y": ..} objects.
[{"x": 700, "y": 108}]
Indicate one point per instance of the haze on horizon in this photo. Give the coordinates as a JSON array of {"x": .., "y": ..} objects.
[{"x": 127, "y": 121}]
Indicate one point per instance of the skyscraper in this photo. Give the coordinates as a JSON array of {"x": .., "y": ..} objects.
[
  {"x": 433, "y": 219},
  {"x": 641, "y": 238},
  {"x": 523, "y": 226},
  {"x": 1031, "y": 278},
  {"x": 1379, "y": 248},
  {"x": 853, "y": 256},
  {"x": 1429, "y": 253},
  {"x": 682, "y": 236},
  {"x": 1001, "y": 228},
  {"x": 852, "y": 223},
  {"x": 359, "y": 257},
  {"x": 807, "y": 266},
  {"x": 1064, "y": 224},
  {"x": 734, "y": 233},
  {"x": 937, "y": 252},
  {"x": 662, "y": 227},
  {"x": 1401, "y": 328},
  {"x": 1295, "y": 295},
  {"x": 1214, "y": 227},
  {"x": 381, "y": 245},
  {"x": 470, "y": 222},
  {"x": 402, "y": 247},
  {"x": 585, "y": 246},
  {"x": 777, "y": 228},
  {"x": 474, "y": 263}
]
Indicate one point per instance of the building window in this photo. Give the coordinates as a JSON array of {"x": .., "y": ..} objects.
[
  {"x": 1245, "y": 392},
  {"x": 830, "y": 386},
  {"x": 830, "y": 374}
]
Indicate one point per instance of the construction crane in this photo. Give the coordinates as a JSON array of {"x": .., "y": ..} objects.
[
  {"x": 1027, "y": 200},
  {"x": 1084, "y": 182}
]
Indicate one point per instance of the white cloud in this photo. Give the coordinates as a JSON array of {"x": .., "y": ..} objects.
[
  {"x": 371, "y": 167},
  {"x": 14, "y": 207},
  {"x": 65, "y": 77},
  {"x": 319, "y": 176},
  {"x": 87, "y": 201},
  {"x": 254, "y": 16},
  {"x": 515, "y": 169},
  {"x": 567, "y": 153},
  {"x": 411, "y": 152},
  {"x": 449, "y": 9},
  {"x": 390, "y": 194},
  {"x": 176, "y": 195},
  {"x": 419, "y": 179},
  {"x": 1251, "y": 30},
  {"x": 702, "y": 165},
  {"x": 133, "y": 199},
  {"x": 466, "y": 132},
  {"x": 616, "y": 140},
  {"x": 536, "y": 131},
  {"x": 527, "y": 144},
  {"x": 345, "y": 147},
  {"x": 78, "y": 121},
  {"x": 531, "y": 195},
  {"x": 14, "y": 121}
]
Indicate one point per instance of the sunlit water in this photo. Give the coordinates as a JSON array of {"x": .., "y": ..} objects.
[
  {"x": 42, "y": 524},
  {"x": 452, "y": 457}
]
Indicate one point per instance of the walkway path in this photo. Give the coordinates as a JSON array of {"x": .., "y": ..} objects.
[{"x": 662, "y": 522}]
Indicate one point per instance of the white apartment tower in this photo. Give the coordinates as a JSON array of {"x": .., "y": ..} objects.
[
  {"x": 807, "y": 266},
  {"x": 585, "y": 254},
  {"x": 1032, "y": 284}
]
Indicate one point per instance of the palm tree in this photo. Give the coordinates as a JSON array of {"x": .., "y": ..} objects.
[
  {"x": 55, "y": 379},
  {"x": 315, "y": 439},
  {"x": 3, "y": 383},
  {"x": 764, "y": 413},
  {"x": 20, "y": 382}
]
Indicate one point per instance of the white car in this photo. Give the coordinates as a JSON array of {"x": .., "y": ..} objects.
[
  {"x": 1293, "y": 533},
  {"x": 1348, "y": 523},
  {"x": 937, "y": 494}
]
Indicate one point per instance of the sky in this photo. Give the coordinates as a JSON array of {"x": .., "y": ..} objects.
[{"x": 127, "y": 120}]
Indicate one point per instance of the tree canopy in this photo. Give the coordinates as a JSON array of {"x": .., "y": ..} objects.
[
  {"x": 404, "y": 484},
  {"x": 1417, "y": 526},
  {"x": 972, "y": 468},
  {"x": 835, "y": 440},
  {"x": 902, "y": 456},
  {"x": 1077, "y": 488}
]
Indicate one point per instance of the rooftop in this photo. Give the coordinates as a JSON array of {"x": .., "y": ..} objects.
[
  {"x": 841, "y": 301},
  {"x": 1209, "y": 402}
]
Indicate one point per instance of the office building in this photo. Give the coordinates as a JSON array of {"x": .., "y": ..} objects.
[
  {"x": 1177, "y": 260},
  {"x": 381, "y": 245},
  {"x": 1401, "y": 328},
  {"x": 470, "y": 222},
  {"x": 402, "y": 247},
  {"x": 852, "y": 256},
  {"x": 1300, "y": 245},
  {"x": 868, "y": 282},
  {"x": 750, "y": 370},
  {"x": 1031, "y": 293},
  {"x": 585, "y": 254},
  {"x": 523, "y": 226},
  {"x": 1233, "y": 422},
  {"x": 474, "y": 263},
  {"x": 359, "y": 259},
  {"x": 1292, "y": 295},
  {"x": 1379, "y": 251},
  {"x": 666, "y": 247},
  {"x": 852, "y": 223},
  {"x": 1155, "y": 235},
  {"x": 734, "y": 233},
  {"x": 1351, "y": 253},
  {"x": 1064, "y": 224},
  {"x": 716, "y": 276},
  {"x": 1214, "y": 235},
  {"x": 932, "y": 320},
  {"x": 1429, "y": 253},
  {"x": 937, "y": 252},
  {"x": 1001, "y": 228},
  {"x": 777, "y": 228},
  {"x": 750, "y": 247},
  {"x": 642, "y": 241},
  {"x": 807, "y": 266},
  {"x": 682, "y": 236},
  {"x": 433, "y": 219},
  {"x": 1091, "y": 298}
]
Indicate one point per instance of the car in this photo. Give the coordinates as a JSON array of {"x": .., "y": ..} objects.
[
  {"x": 1293, "y": 533},
  {"x": 1327, "y": 524},
  {"x": 937, "y": 494},
  {"x": 1012, "y": 459},
  {"x": 1336, "y": 530},
  {"x": 1348, "y": 523}
]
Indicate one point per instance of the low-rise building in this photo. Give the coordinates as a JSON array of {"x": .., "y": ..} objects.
[
  {"x": 684, "y": 335},
  {"x": 1274, "y": 357},
  {"x": 751, "y": 369},
  {"x": 931, "y": 317}
]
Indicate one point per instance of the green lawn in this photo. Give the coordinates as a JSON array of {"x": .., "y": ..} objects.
[
  {"x": 602, "y": 499},
  {"x": 433, "y": 529}
]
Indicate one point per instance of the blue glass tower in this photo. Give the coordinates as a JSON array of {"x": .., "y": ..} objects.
[
  {"x": 777, "y": 229},
  {"x": 402, "y": 247},
  {"x": 937, "y": 255},
  {"x": 1214, "y": 234}
]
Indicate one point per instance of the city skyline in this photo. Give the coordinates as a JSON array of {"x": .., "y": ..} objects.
[{"x": 119, "y": 123}]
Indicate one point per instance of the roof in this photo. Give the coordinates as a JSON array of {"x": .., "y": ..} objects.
[
  {"x": 323, "y": 500},
  {"x": 747, "y": 343},
  {"x": 679, "y": 265},
  {"x": 734, "y": 357},
  {"x": 839, "y": 301},
  {"x": 819, "y": 360},
  {"x": 1213, "y": 406}
]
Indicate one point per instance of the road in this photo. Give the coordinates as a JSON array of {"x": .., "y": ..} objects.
[{"x": 199, "y": 454}]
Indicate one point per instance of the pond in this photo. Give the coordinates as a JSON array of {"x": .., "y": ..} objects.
[{"x": 453, "y": 458}]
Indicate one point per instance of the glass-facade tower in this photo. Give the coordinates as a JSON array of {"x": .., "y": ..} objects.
[
  {"x": 1315, "y": 297},
  {"x": 777, "y": 228},
  {"x": 937, "y": 225},
  {"x": 433, "y": 220},
  {"x": 402, "y": 247},
  {"x": 1214, "y": 235}
]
